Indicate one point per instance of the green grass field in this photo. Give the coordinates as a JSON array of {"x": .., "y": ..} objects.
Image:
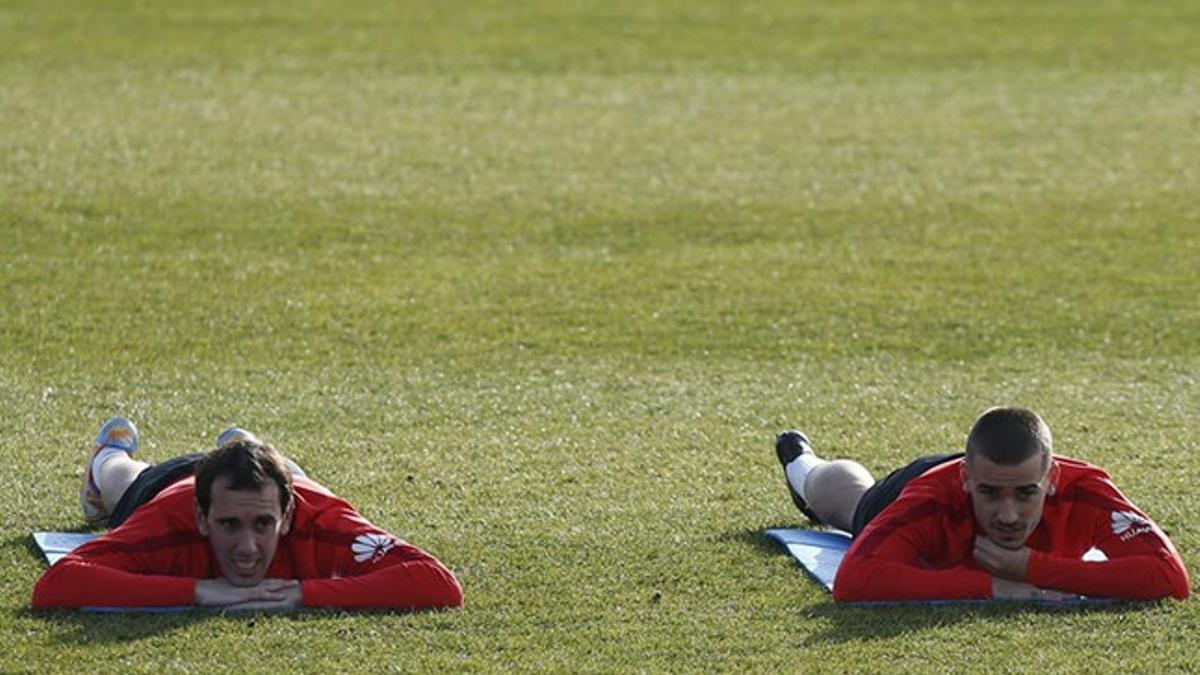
[{"x": 535, "y": 284}]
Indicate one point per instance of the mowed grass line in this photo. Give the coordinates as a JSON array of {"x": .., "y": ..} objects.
[
  {"x": 536, "y": 286},
  {"x": 771, "y": 218}
]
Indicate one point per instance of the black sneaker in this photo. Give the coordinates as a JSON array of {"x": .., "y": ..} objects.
[{"x": 788, "y": 446}]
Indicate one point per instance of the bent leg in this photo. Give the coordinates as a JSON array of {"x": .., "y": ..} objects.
[
  {"x": 833, "y": 489},
  {"x": 113, "y": 474}
]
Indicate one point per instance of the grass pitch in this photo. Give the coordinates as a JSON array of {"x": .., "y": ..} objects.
[{"x": 534, "y": 285}]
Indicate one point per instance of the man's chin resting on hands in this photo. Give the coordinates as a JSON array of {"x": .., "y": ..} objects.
[
  {"x": 1007, "y": 518},
  {"x": 239, "y": 527}
]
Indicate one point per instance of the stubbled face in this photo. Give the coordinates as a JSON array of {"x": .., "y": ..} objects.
[
  {"x": 1008, "y": 500},
  {"x": 243, "y": 527}
]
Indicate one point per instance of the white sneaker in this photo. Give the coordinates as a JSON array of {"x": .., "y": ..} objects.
[{"x": 119, "y": 433}]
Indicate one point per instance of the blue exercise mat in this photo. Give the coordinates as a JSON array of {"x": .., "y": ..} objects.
[
  {"x": 56, "y": 545},
  {"x": 819, "y": 552}
]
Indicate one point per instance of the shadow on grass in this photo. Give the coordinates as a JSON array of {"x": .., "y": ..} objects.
[
  {"x": 75, "y": 627},
  {"x": 24, "y": 541},
  {"x": 856, "y": 623},
  {"x": 755, "y": 539}
]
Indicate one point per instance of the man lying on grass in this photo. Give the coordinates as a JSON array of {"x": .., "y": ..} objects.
[
  {"x": 1007, "y": 519},
  {"x": 239, "y": 527}
]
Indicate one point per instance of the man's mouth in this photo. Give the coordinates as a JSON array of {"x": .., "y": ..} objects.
[{"x": 245, "y": 568}]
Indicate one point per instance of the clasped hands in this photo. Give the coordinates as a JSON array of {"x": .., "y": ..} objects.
[
  {"x": 1008, "y": 567},
  {"x": 266, "y": 595}
]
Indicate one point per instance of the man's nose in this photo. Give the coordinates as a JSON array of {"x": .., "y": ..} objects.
[
  {"x": 246, "y": 543},
  {"x": 1008, "y": 512}
]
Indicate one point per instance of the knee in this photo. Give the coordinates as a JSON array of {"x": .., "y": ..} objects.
[
  {"x": 840, "y": 474},
  {"x": 836, "y": 480}
]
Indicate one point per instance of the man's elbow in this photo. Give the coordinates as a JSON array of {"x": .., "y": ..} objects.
[
  {"x": 1181, "y": 586},
  {"x": 39, "y": 600},
  {"x": 1175, "y": 582},
  {"x": 840, "y": 595},
  {"x": 450, "y": 592},
  {"x": 452, "y": 597},
  {"x": 848, "y": 586},
  {"x": 441, "y": 588},
  {"x": 47, "y": 593}
]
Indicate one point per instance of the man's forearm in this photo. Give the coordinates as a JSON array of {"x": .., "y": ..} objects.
[
  {"x": 74, "y": 583},
  {"x": 873, "y": 578},
  {"x": 415, "y": 584},
  {"x": 1137, "y": 577}
]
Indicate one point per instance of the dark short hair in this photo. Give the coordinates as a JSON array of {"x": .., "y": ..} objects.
[
  {"x": 249, "y": 466},
  {"x": 1009, "y": 436}
]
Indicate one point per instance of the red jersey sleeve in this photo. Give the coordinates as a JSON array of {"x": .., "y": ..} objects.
[
  {"x": 362, "y": 566},
  {"x": 77, "y": 582},
  {"x": 150, "y": 561},
  {"x": 905, "y": 554},
  {"x": 1142, "y": 563}
]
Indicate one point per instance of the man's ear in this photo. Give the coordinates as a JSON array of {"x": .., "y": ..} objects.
[
  {"x": 1055, "y": 472},
  {"x": 201, "y": 524},
  {"x": 287, "y": 517},
  {"x": 962, "y": 475}
]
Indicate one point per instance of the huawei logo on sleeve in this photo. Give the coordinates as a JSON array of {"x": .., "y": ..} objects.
[
  {"x": 1129, "y": 524},
  {"x": 371, "y": 547}
]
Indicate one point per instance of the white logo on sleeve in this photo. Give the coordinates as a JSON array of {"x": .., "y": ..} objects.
[
  {"x": 1129, "y": 524},
  {"x": 371, "y": 547}
]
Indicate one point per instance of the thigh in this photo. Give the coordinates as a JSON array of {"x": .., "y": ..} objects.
[
  {"x": 884, "y": 492},
  {"x": 152, "y": 481}
]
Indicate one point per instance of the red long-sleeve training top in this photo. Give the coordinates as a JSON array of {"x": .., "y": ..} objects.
[
  {"x": 920, "y": 546},
  {"x": 155, "y": 557}
]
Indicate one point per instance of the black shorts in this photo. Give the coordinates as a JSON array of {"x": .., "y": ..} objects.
[
  {"x": 151, "y": 481},
  {"x": 884, "y": 492}
]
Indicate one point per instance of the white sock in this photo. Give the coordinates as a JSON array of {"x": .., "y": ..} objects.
[
  {"x": 797, "y": 471},
  {"x": 98, "y": 461}
]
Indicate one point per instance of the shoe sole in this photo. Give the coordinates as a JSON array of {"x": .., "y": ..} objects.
[{"x": 236, "y": 433}]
